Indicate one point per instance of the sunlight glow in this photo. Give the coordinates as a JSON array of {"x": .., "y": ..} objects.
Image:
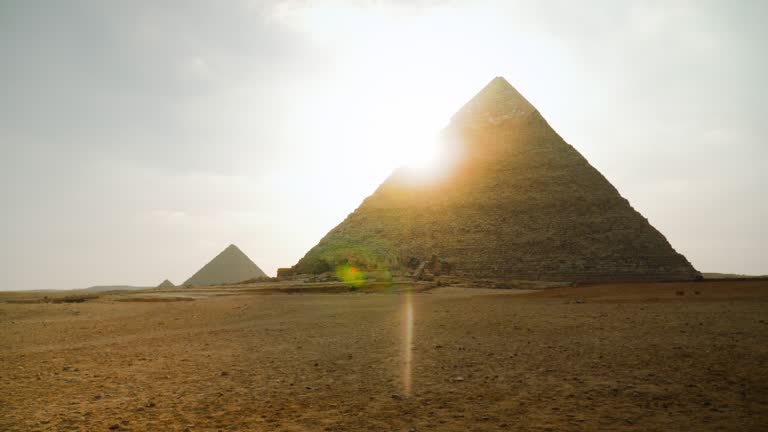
[
  {"x": 393, "y": 85},
  {"x": 423, "y": 152}
]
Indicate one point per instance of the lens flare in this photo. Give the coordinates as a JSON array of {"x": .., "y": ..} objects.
[
  {"x": 350, "y": 275},
  {"x": 407, "y": 349}
]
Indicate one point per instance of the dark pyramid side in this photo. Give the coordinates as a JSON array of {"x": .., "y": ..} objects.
[
  {"x": 229, "y": 266},
  {"x": 516, "y": 201}
]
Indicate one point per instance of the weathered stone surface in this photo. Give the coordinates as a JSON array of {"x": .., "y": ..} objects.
[{"x": 516, "y": 201}]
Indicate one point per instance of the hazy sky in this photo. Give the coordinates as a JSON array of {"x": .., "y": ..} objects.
[{"x": 139, "y": 138}]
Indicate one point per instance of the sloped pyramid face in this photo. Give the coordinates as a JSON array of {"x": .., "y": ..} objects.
[
  {"x": 166, "y": 284},
  {"x": 230, "y": 266},
  {"x": 516, "y": 201}
]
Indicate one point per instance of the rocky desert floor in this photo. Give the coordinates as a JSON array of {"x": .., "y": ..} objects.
[{"x": 635, "y": 357}]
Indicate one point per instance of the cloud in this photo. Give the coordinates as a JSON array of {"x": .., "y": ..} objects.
[{"x": 134, "y": 81}]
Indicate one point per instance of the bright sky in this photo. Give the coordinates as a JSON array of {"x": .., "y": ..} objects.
[{"x": 138, "y": 139}]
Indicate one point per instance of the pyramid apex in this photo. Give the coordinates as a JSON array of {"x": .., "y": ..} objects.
[
  {"x": 496, "y": 102},
  {"x": 501, "y": 80}
]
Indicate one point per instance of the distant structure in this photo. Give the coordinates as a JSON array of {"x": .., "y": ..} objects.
[
  {"x": 230, "y": 266},
  {"x": 512, "y": 200},
  {"x": 166, "y": 284}
]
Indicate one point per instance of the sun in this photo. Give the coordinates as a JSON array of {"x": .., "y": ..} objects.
[
  {"x": 419, "y": 152},
  {"x": 402, "y": 126}
]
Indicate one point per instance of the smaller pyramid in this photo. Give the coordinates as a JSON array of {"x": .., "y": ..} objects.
[
  {"x": 230, "y": 266},
  {"x": 166, "y": 284}
]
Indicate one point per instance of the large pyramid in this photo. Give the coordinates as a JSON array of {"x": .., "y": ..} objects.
[
  {"x": 230, "y": 266},
  {"x": 514, "y": 201}
]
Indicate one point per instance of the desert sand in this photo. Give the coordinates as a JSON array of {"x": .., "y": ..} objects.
[{"x": 642, "y": 356}]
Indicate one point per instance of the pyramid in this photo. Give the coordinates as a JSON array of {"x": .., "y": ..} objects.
[
  {"x": 230, "y": 266},
  {"x": 513, "y": 200},
  {"x": 166, "y": 284}
]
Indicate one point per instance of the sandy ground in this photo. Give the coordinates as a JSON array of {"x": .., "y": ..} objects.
[{"x": 639, "y": 357}]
